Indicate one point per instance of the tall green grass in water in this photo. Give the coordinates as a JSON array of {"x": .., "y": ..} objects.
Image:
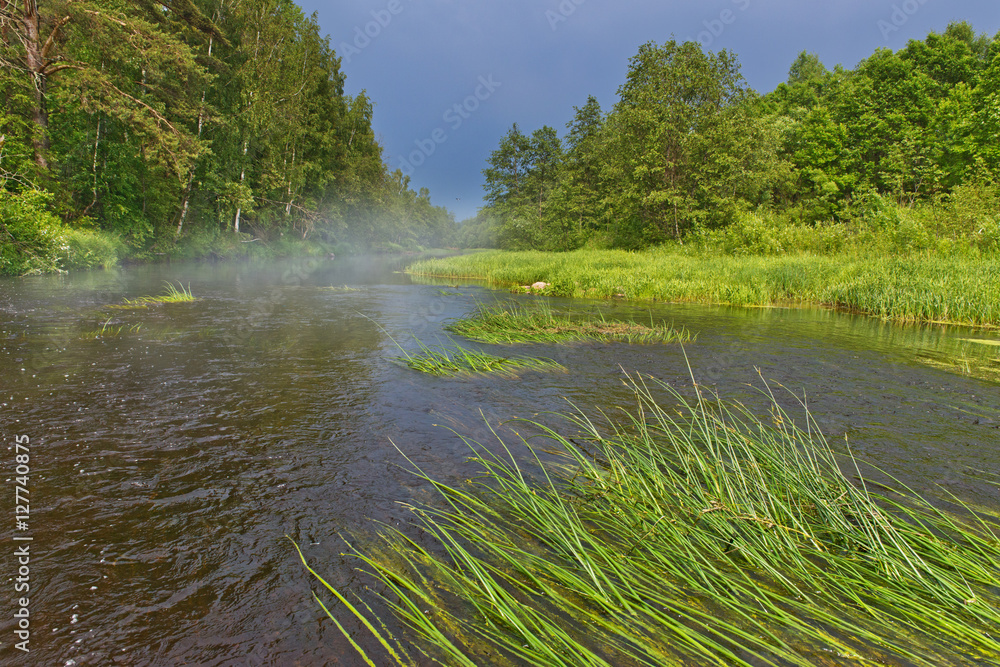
[
  {"x": 903, "y": 288},
  {"x": 696, "y": 534},
  {"x": 171, "y": 294},
  {"x": 508, "y": 324},
  {"x": 458, "y": 361}
]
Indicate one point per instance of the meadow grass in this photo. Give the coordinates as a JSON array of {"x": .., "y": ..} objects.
[
  {"x": 510, "y": 323},
  {"x": 457, "y": 360},
  {"x": 171, "y": 294},
  {"x": 689, "y": 531},
  {"x": 911, "y": 288}
]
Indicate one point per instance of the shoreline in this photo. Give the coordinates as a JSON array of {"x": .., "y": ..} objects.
[{"x": 935, "y": 286}]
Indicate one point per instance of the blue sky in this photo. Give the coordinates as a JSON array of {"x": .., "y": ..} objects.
[{"x": 449, "y": 77}]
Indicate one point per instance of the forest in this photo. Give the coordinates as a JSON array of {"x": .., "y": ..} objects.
[
  {"x": 189, "y": 128},
  {"x": 905, "y": 145},
  {"x": 197, "y": 128}
]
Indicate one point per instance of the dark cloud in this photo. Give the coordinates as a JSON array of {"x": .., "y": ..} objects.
[{"x": 417, "y": 59}]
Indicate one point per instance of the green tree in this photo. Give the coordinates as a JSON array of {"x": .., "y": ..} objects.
[
  {"x": 117, "y": 57},
  {"x": 522, "y": 175},
  {"x": 580, "y": 194},
  {"x": 506, "y": 170},
  {"x": 681, "y": 142},
  {"x": 985, "y": 120}
]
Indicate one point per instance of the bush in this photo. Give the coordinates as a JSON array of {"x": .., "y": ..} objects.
[
  {"x": 769, "y": 234},
  {"x": 976, "y": 210},
  {"x": 31, "y": 237},
  {"x": 89, "y": 249}
]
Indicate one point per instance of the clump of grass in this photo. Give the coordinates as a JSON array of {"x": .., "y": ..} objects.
[
  {"x": 454, "y": 361},
  {"x": 126, "y": 306},
  {"x": 108, "y": 330},
  {"x": 508, "y": 324},
  {"x": 342, "y": 288},
  {"x": 172, "y": 294},
  {"x": 696, "y": 534}
]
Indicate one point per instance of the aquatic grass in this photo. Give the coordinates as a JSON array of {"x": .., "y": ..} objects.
[
  {"x": 973, "y": 357},
  {"x": 511, "y": 323},
  {"x": 107, "y": 330},
  {"x": 910, "y": 288},
  {"x": 981, "y": 341},
  {"x": 456, "y": 360},
  {"x": 171, "y": 294},
  {"x": 972, "y": 366},
  {"x": 125, "y": 306},
  {"x": 690, "y": 531},
  {"x": 342, "y": 288}
]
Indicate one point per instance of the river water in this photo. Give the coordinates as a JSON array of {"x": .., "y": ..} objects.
[{"x": 173, "y": 448}]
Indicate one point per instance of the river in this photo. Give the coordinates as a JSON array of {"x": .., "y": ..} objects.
[{"x": 173, "y": 448}]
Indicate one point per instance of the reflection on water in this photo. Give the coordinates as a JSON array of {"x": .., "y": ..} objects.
[{"x": 170, "y": 459}]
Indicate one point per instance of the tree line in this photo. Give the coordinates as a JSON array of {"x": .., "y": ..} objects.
[
  {"x": 690, "y": 147},
  {"x": 167, "y": 124}
]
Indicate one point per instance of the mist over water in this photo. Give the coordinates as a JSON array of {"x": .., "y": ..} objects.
[{"x": 169, "y": 462}]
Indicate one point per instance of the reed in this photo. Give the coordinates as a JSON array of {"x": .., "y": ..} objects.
[
  {"x": 457, "y": 360},
  {"x": 171, "y": 294},
  {"x": 443, "y": 361},
  {"x": 108, "y": 330},
  {"x": 125, "y": 306},
  {"x": 510, "y": 324},
  {"x": 342, "y": 288},
  {"x": 689, "y": 531}
]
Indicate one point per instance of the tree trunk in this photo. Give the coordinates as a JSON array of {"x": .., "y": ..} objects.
[
  {"x": 190, "y": 183},
  {"x": 291, "y": 197},
  {"x": 243, "y": 173},
  {"x": 97, "y": 144},
  {"x": 35, "y": 61}
]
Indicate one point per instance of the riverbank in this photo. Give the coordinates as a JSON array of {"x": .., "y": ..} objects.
[{"x": 905, "y": 288}]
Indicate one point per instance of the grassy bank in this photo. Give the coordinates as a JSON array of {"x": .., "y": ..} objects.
[
  {"x": 913, "y": 287},
  {"x": 689, "y": 532}
]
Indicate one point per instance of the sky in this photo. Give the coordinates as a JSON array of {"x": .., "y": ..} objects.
[{"x": 448, "y": 78}]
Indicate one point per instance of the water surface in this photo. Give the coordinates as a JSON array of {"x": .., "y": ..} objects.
[{"x": 172, "y": 453}]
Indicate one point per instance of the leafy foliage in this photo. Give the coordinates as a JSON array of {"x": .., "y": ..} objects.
[
  {"x": 29, "y": 235},
  {"x": 689, "y": 148},
  {"x": 193, "y": 123}
]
